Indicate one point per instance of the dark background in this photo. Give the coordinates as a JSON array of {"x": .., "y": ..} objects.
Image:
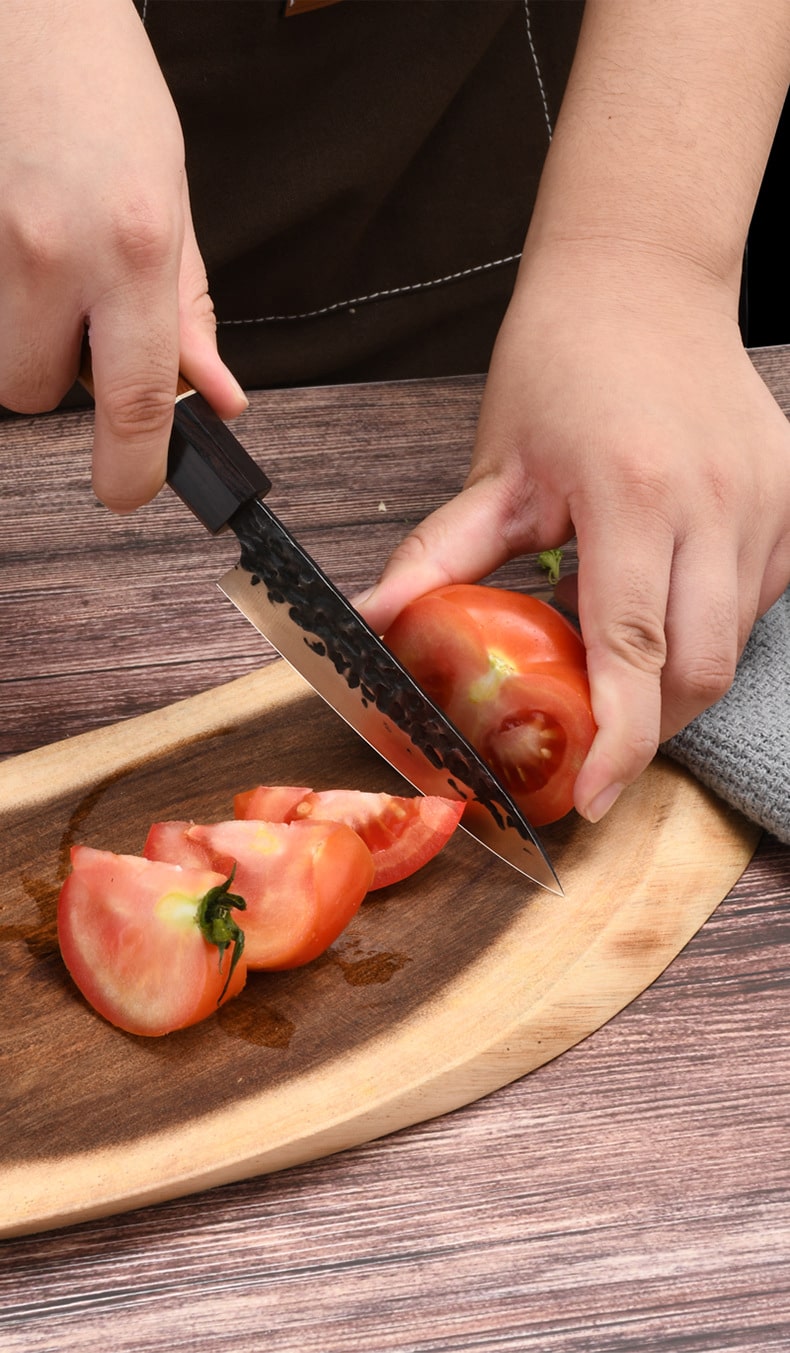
[{"x": 766, "y": 317}]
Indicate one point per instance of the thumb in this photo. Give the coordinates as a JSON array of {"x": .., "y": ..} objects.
[
  {"x": 200, "y": 361},
  {"x": 461, "y": 542}
]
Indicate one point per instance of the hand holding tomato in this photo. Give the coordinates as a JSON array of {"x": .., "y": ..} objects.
[
  {"x": 633, "y": 418},
  {"x": 621, "y": 405}
]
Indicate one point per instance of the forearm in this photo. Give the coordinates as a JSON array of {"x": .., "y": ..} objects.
[{"x": 666, "y": 127}]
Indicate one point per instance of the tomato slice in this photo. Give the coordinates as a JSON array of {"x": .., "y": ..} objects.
[
  {"x": 280, "y": 801},
  {"x": 130, "y": 936},
  {"x": 401, "y": 833},
  {"x": 302, "y": 881},
  {"x": 510, "y": 672}
]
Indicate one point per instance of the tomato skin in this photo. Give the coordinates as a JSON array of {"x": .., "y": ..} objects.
[
  {"x": 401, "y": 833},
  {"x": 511, "y": 673},
  {"x": 129, "y": 936},
  {"x": 281, "y": 800},
  {"x": 302, "y": 881}
]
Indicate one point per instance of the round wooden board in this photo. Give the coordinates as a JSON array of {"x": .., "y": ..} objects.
[{"x": 443, "y": 988}]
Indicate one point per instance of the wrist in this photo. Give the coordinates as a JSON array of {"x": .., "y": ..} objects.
[{"x": 587, "y": 273}]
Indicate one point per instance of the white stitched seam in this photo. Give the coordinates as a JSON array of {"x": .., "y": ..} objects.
[
  {"x": 386, "y": 293},
  {"x": 536, "y": 64}
]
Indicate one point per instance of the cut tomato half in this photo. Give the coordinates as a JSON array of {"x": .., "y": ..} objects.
[
  {"x": 511, "y": 673},
  {"x": 302, "y": 881},
  {"x": 133, "y": 936},
  {"x": 401, "y": 833}
]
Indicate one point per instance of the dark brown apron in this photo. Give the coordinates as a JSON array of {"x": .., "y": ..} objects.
[{"x": 362, "y": 173}]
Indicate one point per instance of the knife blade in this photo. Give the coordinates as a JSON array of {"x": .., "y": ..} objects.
[{"x": 292, "y": 602}]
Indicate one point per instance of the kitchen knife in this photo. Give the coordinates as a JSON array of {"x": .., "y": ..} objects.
[{"x": 288, "y": 598}]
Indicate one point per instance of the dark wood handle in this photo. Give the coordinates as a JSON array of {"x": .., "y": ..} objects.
[{"x": 207, "y": 467}]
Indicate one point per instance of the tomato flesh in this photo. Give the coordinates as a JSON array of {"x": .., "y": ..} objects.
[
  {"x": 401, "y": 833},
  {"x": 525, "y": 749},
  {"x": 280, "y": 802},
  {"x": 510, "y": 672},
  {"x": 129, "y": 935},
  {"x": 302, "y": 881}
]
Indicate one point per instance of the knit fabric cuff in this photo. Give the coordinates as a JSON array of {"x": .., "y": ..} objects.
[{"x": 740, "y": 747}]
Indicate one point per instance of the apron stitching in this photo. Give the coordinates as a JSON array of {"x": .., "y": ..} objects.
[
  {"x": 536, "y": 64},
  {"x": 385, "y": 293},
  {"x": 409, "y": 288}
]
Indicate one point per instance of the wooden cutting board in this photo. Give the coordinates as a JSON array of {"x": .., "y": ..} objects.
[{"x": 445, "y": 987}]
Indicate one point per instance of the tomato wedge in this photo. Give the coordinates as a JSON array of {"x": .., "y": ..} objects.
[
  {"x": 401, "y": 833},
  {"x": 511, "y": 673},
  {"x": 302, "y": 881},
  {"x": 133, "y": 935}
]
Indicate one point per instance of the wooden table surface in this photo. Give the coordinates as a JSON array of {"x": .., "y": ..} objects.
[{"x": 632, "y": 1195}]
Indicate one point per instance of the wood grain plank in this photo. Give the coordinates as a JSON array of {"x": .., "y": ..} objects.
[
  {"x": 562, "y": 1213},
  {"x": 458, "y": 980},
  {"x": 631, "y": 1195}
]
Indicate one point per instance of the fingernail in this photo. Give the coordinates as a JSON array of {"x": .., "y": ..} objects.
[
  {"x": 603, "y": 802},
  {"x": 237, "y": 389},
  {"x": 362, "y": 597},
  {"x": 240, "y": 392}
]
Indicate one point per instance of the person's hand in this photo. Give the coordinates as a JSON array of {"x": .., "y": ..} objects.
[
  {"x": 621, "y": 405},
  {"x": 95, "y": 230},
  {"x": 620, "y": 402}
]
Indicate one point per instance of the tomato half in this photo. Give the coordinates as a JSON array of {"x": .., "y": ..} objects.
[
  {"x": 130, "y": 935},
  {"x": 511, "y": 673},
  {"x": 302, "y": 881},
  {"x": 401, "y": 833}
]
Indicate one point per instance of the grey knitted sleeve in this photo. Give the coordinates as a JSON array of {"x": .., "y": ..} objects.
[{"x": 740, "y": 747}]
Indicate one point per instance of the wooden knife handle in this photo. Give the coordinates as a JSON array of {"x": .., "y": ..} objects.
[{"x": 206, "y": 465}]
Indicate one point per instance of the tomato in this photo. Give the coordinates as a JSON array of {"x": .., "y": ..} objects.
[
  {"x": 134, "y": 936},
  {"x": 510, "y": 672},
  {"x": 402, "y": 834},
  {"x": 279, "y": 802},
  {"x": 302, "y": 881}
]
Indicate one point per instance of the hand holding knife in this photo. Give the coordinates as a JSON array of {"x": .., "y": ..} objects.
[{"x": 284, "y": 593}]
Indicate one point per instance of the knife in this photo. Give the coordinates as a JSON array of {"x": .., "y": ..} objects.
[{"x": 289, "y": 599}]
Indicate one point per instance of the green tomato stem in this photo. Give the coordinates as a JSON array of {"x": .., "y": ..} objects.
[
  {"x": 550, "y": 560},
  {"x": 217, "y": 926}
]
